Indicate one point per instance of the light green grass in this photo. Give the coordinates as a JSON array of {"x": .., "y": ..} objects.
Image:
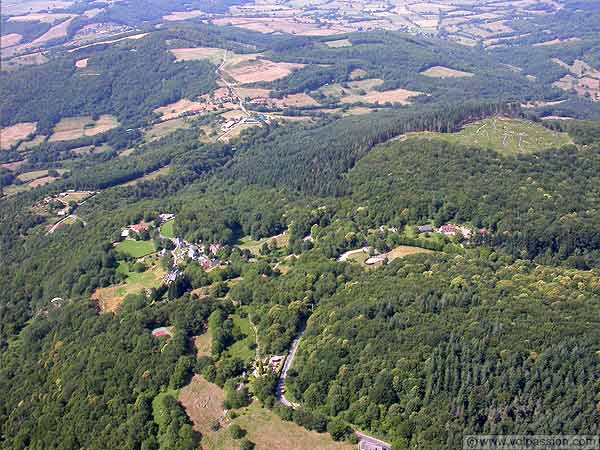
[
  {"x": 506, "y": 136},
  {"x": 137, "y": 249},
  {"x": 241, "y": 349},
  {"x": 338, "y": 43},
  {"x": 167, "y": 229}
]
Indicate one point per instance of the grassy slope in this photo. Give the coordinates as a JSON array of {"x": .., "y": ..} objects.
[{"x": 507, "y": 136}]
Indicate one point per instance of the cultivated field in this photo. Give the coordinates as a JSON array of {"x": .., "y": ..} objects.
[
  {"x": 257, "y": 69},
  {"x": 401, "y": 96},
  {"x": 9, "y": 136},
  {"x": 296, "y": 101},
  {"x": 8, "y": 40},
  {"x": 445, "y": 72},
  {"x": 14, "y": 7},
  {"x": 507, "y": 136},
  {"x": 56, "y": 32},
  {"x": 174, "y": 110},
  {"x": 71, "y": 128}
]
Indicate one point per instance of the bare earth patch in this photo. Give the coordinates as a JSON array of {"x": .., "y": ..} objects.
[
  {"x": 445, "y": 72},
  {"x": 8, "y": 40},
  {"x": 12, "y": 166},
  {"x": 81, "y": 63},
  {"x": 9, "y": 136},
  {"x": 556, "y": 42},
  {"x": 71, "y": 128}
]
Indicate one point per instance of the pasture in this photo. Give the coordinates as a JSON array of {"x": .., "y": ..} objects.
[
  {"x": 136, "y": 249},
  {"x": 405, "y": 250},
  {"x": 162, "y": 129},
  {"x": 506, "y": 136},
  {"x": 8, "y": 40},
  {"x": 71, "y": 128},
  {"x": 401, "y": 96},
  {"x": 183, "y": 15},
  {"x": 183, "y": 106},
  {"x": 167, "y": 229}
]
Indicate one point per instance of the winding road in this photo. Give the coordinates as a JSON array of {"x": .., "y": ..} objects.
[{"x": 365, "y": 442}]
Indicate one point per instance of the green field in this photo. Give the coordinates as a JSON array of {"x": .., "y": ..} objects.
[
  {"x": 507, "y": 136},
  {"x": 167, "y": 230},
  {"x": 137, "y": 249},
  {"x": 242, "y": 349}
]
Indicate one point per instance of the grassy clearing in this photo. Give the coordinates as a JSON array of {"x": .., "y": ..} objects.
[
  {"x": 247, "y": 243},
  {"x": 168, "y": 229},
  {"x": 137, "y": 249},
  {"x": 243, "y": 349},
  {"x": 111, "y": 297},
  {"x": 506, "y": 136},
  {"x": 203, "y": 402},
  {"x": 338, "y": 43},
  {"x": 405, "y": 250}
]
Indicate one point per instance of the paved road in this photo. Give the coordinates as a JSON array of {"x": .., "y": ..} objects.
[
  {"x": 284, "y": 372},
  {"x": 366, "y": 442}
]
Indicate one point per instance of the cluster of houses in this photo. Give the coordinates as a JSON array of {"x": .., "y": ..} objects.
[
  {"x": 231, "y": 123},
  {"x": 61, "y": 203},
  {"x": 451, "y": 230},
  {"x": 204, "y": 255},
  {"x": 142, "y": 225}
]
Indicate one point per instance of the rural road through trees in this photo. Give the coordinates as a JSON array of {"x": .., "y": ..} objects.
[
  {"x": 365, "y": 442},
  {"x": 286, "y": 367}
]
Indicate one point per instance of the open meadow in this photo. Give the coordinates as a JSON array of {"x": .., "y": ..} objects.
[{"x": 506, "y": 136}]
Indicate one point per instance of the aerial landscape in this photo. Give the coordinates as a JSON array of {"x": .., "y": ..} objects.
[{"x": 298, "y": 224}]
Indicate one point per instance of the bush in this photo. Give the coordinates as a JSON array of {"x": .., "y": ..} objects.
[
  {"x": 245, "y": 444},
  {"x": 236, "y": 431},
  {"x": 338, "y": 429},
  {"x": 139, "y": 267}
]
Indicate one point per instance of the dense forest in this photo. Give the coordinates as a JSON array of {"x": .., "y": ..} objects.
[{"x": 433, "y": 347}]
